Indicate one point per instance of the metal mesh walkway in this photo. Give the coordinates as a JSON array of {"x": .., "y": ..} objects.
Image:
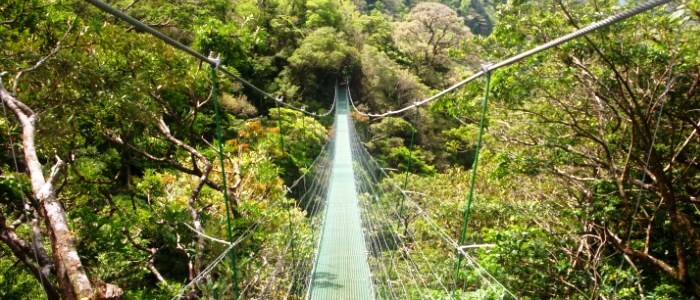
[{"x": 342, "y": 270}]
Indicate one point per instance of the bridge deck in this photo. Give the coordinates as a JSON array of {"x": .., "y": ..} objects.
[{"x": 342, "y": 270}]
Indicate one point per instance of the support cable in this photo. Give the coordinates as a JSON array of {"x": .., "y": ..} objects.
[
  {"x": 306, "y": 270},
  {"x": 219, "y": 139},
  {"x": 215, "y": 63},
  {"x": 316, "y": 225},
  {"x": 289, "y": 209},
  {"x": 277, "y": 267},
  {"x": 644, "y": 176},
  {"x": 386, "y": 214},
  {"x": 311, "y": 206},
  {"x": 649, "y": 152},
  {"x": 516, "y": 58},
  {"x": 383, "y": 243},
  {"x": 410, "y": 158},
  {"x": 475, "y": 164},
  {"x": 317, "y": 187},
  {"x": 481, "y": 271},
  {"x": 327, "y": 165},
  {"x": 486, "y": 276},
  {"x": 371, "y": 180},
  {"x": 373, "y": 242}
]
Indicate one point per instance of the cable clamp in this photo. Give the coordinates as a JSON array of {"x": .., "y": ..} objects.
[
  {"x": 486, "y": 68},
  {"x": 280, "y": 99},
  {"x": 214, "y": 61}
]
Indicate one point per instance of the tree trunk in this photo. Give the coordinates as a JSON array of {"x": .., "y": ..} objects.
[{"x": 71, "y": 275}]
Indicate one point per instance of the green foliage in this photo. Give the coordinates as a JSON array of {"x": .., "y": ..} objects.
[
  {"x": 17, "y": 283},
  {"x": 412, "y": 161},
  {"x": 391, "y": 127},
  {"x": 215, "y": 35},
  {"x": 480, "y": 15},
  {"x": 321, "y": 50},
  {"x": 391, "y": 139},
  {"x": 125, "y": 186},
  {"x": 322, "y": 13},
  {"x": 521, "y": 256},
  {"x": 566, "y": 143},
  {"x": 373, "y": 29},
  {"x": 302, "y": 137},
  {"x": 429, "y": 32},
  {"x": 321, "y": 59},
  {"x": 460, "y": 145},
  {"x": 385, "y": 84}
]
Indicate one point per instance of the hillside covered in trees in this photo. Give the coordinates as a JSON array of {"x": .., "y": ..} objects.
[{"x": 111, "y": 184}]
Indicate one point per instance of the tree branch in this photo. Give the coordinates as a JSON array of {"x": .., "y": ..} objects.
[
  {"x": 624, "y": 248},
  {"x": 22, "y": 250},
  {"x": 211, "y": 238},
  {"x": 43, "y": 59}
]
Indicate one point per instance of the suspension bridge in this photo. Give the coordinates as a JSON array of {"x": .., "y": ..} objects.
[
  {"x": 342, "y": 269},
  {"x": 361, "y": 244}
]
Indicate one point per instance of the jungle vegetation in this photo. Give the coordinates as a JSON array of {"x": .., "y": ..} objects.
[{"x": 110, "y": 181}]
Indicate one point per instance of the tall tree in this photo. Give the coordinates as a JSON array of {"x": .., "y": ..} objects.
[
  {"x": 430, "y": 29},
  {"x": 71, "y": 275}
]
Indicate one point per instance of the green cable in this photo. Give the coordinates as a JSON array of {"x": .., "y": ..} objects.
[
  {"x": 410, "y": 158},
  {"x": 219, "y": 136},
  {"x": 484, "y": 104}
]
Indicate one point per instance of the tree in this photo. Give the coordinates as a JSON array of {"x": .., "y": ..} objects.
[
  {"x": 321, "y": 59},
  {"x": 384, "y": 84},
  {"x": 133, "y": 123},
  {"x": 608, "y": 117},
  {"x": 429, "y": 31},
  {"x": 71, "y": 275},
  {"x": 479, "y": 15}
]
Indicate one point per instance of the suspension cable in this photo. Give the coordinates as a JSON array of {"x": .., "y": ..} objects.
[
  {"x": 444, "y": 235},
  {"x": 410, "y": 158},
  {"x": 300, "y": 275},
  {"x": 367, "y": 183},
  {"x": 219, "y": 139},
  {"x": 484, "y": 274},
  {"x": 211, "y": 61},
  {"x": 513, "y": 59},
  {"x": 472, "y": 180},
  {"x": 289, "y": 209},
  {"x": 370, "y": 180}
]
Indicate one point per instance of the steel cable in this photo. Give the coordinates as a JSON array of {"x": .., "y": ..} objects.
[{"x": 516, "y": 58}]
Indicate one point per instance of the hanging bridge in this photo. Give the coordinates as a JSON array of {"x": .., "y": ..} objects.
[
  {"x": 342, "y": 269},
  {"x": 360, "y": 239}
]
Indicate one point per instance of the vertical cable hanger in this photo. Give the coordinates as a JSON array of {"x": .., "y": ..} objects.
[
  {"x": 219, "y": 137},
  {"x": 410, "y": 158},
  {"x": 289, "y": 209},
  {"x": 475, "y": 164}
]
